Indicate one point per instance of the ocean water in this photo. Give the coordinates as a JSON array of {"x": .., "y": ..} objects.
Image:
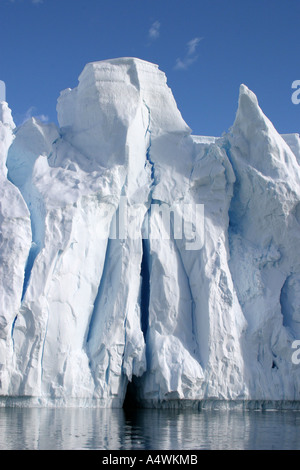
[{"x": 118, "y": 429}]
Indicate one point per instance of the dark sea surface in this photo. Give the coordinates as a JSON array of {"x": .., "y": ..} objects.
[{"x": 118, "y": 429}]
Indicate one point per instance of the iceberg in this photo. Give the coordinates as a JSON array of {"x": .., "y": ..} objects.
[{"x": 140, "y": 262}]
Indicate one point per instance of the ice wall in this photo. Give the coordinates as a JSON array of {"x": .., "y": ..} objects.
[
  {"x": 109, "y": 280},
  {"x": 15, "y": 239}
]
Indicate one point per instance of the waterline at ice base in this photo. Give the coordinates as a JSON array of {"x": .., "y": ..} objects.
[{"x": 194, "y": 298}]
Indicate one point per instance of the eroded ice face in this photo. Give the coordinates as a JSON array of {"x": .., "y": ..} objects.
[{"x": 85, "y": 314}]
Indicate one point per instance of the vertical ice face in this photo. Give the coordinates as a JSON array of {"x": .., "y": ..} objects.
[
  {"x": 153, "y": 127},
  {"x": 195, "y": 321},
  {"x": 31, "y": 140},
  {"x": 94, "y": 295},
  {"x": 71, "y": 211},
  {"x": 264, "y": 241},
  {"x": 79, "y": 328},
  {"x": 293, "y": 141},
  {"x": 15, "y": 239}
]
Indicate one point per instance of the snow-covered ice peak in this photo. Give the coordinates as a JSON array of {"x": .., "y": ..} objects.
[
  {"x": 249, "y": 116},
  {"x": 112, "y": 96},
  {"x": 88, "y": 312},
  {"x": 262, "y": 147},
  {"x": 5, "y": 115}
]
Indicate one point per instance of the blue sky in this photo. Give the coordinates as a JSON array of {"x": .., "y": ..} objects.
[{"x": 207, "y": 48}]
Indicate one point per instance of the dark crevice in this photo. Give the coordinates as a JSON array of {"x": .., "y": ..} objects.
[
  {"x": 148, "y": 151},
  {"x": 145, "y": 289},
  {"x": 35, "y": 204},
  {"x": 285, "y": 304},
  {"x": 131, "y": 401},
  {"x": 12, "y": 331},
  {"x": 34, "y": 251},
  {"x": 145, "y": 264},
  {"x": 103, "y": 276}
]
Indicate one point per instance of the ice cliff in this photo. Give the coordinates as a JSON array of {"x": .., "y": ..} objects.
[{"x": 103, "y": 291}]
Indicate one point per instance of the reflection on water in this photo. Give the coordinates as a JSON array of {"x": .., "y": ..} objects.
[{"x": 88, "y": 428}]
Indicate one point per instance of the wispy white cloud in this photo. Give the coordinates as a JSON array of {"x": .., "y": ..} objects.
[
  {"x": 34, "y": 2},
  {"x": 154, "y": 30},
  {"x": 192, "y": 45},
  {"x": 30, "y": 113},
  {"x": 190, "y": 57},
  {"x": 183, "y": 64},
  {"x": 43, "y": 117},
  {"x": 2, "y": 91}
]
